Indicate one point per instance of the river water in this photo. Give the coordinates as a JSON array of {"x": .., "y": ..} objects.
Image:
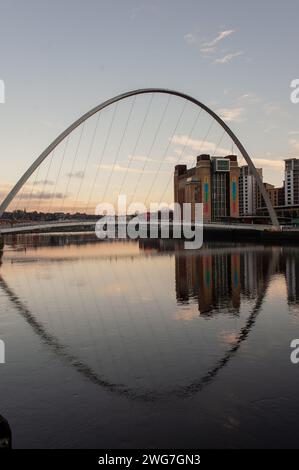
[{"x": 133, "y": 344}]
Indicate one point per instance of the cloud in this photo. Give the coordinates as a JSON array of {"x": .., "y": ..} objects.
[
  {"x": 294, "y": 143},
  {"x": 29, "y": 194},
  {"x": 203, "y": 146},
  {"x": 190, "y": 38},
  {"x": 43, "y": 182},
  {"x": 3, "y": 193},
  {"x": 231, "y": 114},
  {"x": 172, "y": 160},
  {"x": 273, "y": 164},
  {"x": 5, "y": 188},
  {"x": 221, "y": 35},
  {"x": 141, "y": 158},
  {"x": 270, "y": 129},
  {"x": 208, "y": 46},
  {"x": 120, "y": 169},
  {"x": 270, "y": 108},
  {"x": 207, "y": 50},
  {"x": 228, "y": 57},
  {"x": 182, "y": 158},
  {"x": 42, "y": 195},
  {"x": 249, "y": 98},
  {"x": 76, "y": 174},
  {"x": 124, "y": 169}
]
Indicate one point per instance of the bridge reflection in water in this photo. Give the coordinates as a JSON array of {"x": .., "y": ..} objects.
[
  {"x": 218, "y": 279},
  {"x": 147, "y": 321}
]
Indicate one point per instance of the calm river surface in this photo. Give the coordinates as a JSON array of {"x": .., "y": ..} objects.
[{"x": 143, "y": 344}]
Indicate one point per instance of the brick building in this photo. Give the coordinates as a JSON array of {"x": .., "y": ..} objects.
[{"x": 213, "y": 182}]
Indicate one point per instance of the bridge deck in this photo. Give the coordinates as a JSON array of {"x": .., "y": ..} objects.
[{"x": 22, "y": 228}]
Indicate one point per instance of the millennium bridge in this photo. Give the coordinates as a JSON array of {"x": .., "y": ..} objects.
[{"x": 36, "y": 187}]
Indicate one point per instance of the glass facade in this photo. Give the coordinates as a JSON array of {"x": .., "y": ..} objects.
[{"x": 219, "y": 195}]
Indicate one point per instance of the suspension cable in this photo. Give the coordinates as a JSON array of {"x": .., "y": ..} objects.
[
  {"x": 166, "y": 150},
  {"x": 202, "y": 143},
  {"x": 182, "y": 152},
  {"x": 119, "y": 146},
  {"x": 137, "y": 142},
  {"x": 151, "y": 148},
  {"x": 59, "y": 172},
  {"x": 73, "y": 166},
  {"x": 31, "y": 191},
  {"x": 102, "y": 155},
  {"x": 88, "y": 156},
  {"x": 217, "y": 145},
  {"x": 45, "y": 182}
]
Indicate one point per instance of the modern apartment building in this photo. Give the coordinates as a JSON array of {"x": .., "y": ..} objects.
[
  {"x": 249, "y": 194},
  {"x": 213, "y": 182},
  {"x": 291, "y": 181},
  {"x": 277, "y": 196}
]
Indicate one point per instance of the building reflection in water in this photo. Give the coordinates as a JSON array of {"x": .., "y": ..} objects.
[
  {"x": 213, "y": 279},
  {"x": 218, "y": 279},
  {"x": 216, "y": 276},
  {"x": 292, "y": 280}
]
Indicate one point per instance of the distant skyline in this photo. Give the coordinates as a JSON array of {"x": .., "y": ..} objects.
[{"x": 61, "y": 58}]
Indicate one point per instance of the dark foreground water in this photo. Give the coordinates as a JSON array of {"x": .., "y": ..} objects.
[{"x": 143, "y": 344}]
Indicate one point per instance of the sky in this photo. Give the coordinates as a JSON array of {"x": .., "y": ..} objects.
[{"x": 60, "y": 58}]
